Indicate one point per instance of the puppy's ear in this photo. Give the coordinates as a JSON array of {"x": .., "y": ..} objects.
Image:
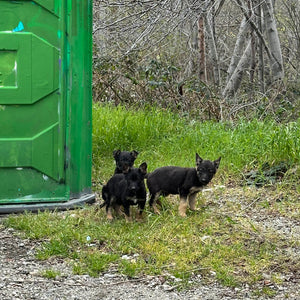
[
  {"x": 198, "y": 159},
  {"x": 125, "y": 169},
  {"x": 134, "y": 154},
  {"x": 217, "y": 162},
  {"x": 143, "y": 168},
  {"x": 116, "y": 153}
]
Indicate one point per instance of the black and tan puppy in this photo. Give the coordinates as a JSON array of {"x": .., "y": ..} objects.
[
  {"x": 186, "y": 182},
  {"x": 124, "y": 159},
  {"x": 125, "y": 189}
]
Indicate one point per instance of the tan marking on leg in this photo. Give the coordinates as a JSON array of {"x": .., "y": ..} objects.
[
  {"x": 109, "y": 214},
  {"x": 155, "y": 209},
  {"x": 183, "y": 206},
  {"x": 139, "y": 216},
  {"x": 192, "y": 201},
  {"x": 118, "y": 210}
]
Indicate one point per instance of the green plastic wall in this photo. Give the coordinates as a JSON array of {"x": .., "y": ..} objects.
[{"x": 45, "y": 100}]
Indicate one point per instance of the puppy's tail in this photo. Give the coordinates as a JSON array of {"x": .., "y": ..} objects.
[{"x": 104, "y": 196}]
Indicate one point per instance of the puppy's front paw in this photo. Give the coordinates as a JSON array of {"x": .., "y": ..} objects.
[
  {"x": 155, "y": 209},
  {"x": 128, "y": 219},
  {"x": 195, "y": 209},
  {"x": 182, "y": 214},
  {"x": 109, "y": 217}
]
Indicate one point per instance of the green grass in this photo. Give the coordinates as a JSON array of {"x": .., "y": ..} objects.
[
  {"x": 223, "y": 242},
  {"x": 163, "y": 138},
  {"x": 50, "y": 274},
  {"x": 220, "y": 241}
]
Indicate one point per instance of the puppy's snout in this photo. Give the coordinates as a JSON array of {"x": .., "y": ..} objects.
[
  {"x": 204, "y": 178},
  {"x": 132, "y": 191}
]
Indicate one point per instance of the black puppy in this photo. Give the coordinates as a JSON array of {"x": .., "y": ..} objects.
[
  {"x": 186, "y": 182},
  {"x": 124, "y": 159},
  {"x": 125, "y": 189}
]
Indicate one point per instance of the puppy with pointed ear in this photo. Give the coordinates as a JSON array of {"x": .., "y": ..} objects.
[
  {"x": 186, "y": 182},
  {"x": 124, "y": 158},
  {"x": 125, "y": 190}
]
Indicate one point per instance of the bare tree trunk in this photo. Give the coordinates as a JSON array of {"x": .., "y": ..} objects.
[
  {"x": 273, "y": 40},
  {"x": 238, "y": 49},
  {"x": 192, "y": 66},
  {"x": 213, "y": 49},
  {"x": 234, "y": 82},
  {"x": 261, "y": 63},
  {"x": 272, "y": 32},
  {"x": 253, "y": 51},
  {"x": 202, "y": 62}
]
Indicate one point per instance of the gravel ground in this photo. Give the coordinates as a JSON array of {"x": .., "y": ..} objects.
[{"x": 21, "y": 278}]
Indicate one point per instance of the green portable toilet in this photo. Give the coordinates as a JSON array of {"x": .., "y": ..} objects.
[{"x": 45, "y": 104}]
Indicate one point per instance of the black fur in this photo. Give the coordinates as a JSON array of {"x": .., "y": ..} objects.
[
  {"x": 186, "y": 182},
  {"x": 125, "y": 189},
  {"x": 124, "y": 160}
]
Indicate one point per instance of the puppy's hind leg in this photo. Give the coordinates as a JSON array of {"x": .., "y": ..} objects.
[
  {"x": 153, "y": 201},
  {"x": 109, "y": 204}
]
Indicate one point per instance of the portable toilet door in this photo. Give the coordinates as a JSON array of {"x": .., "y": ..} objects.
[{"x": 45, "y": 104}]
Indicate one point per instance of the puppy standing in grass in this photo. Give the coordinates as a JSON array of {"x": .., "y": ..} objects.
[
  {"x": 125, "y": 189},
  {"x": 186, "y": 182}
]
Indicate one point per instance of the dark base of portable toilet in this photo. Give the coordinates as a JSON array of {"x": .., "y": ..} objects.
[
  {"x": 45, "y": 104},
  {"x": 39, "y": 207}
]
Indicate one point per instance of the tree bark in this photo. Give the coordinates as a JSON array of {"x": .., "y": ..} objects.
[
  {"x": 273, "y": 40},
  {"x": 213, "y": 49},
  {"x": 202, "y": 58},
  {"x": 261, "y": 63},
  {"x": 253, "y": 50},
  {"x": 235, "y": 80},
  {"x": 270, "y": 54},
  {"x": 238, "y": 49}
]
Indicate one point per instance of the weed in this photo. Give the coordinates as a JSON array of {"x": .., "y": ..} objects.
[
  {"x": 55, "y": 247},
  {"x": 265, "y": 292},
  {"x": 95, "y": 263},
  {"x": 50, "y": 274}
]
